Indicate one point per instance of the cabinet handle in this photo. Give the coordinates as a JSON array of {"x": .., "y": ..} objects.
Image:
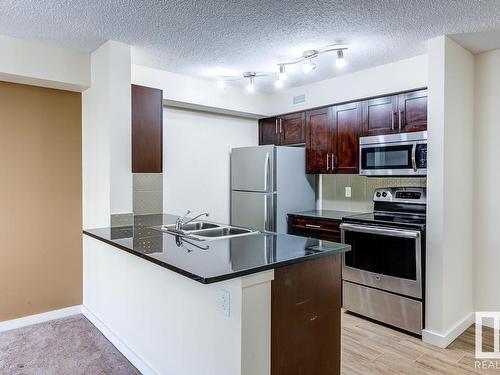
[
  {"x": 313, "y": 226},
  {"x": 276, "y": 126},
  {"x": 327, "y": 162},
  {"x": 281, "y": 121},
  {"x": 392, "y": 120}
]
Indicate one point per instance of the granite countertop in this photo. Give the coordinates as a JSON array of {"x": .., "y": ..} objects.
[
  {"x": 214, "y": 260},
  {"x": 325, "y": 214}
]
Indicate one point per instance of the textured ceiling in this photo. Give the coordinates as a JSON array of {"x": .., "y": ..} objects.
[{"x": 203, "y": 38}]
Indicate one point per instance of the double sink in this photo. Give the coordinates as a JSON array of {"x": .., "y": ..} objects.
[{"x": 203, "y": 230}]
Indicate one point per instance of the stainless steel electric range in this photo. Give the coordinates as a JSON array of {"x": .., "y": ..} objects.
[{"x": 383, "y": 274}]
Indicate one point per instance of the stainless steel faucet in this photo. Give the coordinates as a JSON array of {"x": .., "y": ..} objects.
[{"x": 179, "y": 223}]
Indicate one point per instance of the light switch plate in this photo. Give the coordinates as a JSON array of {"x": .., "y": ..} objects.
[{"x": 348, "y": 192}]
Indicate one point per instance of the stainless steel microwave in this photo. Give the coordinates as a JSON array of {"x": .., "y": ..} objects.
[{"x": 403, "y": 154}]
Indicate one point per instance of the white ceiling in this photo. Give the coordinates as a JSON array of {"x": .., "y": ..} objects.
[{"x": 203, "y": 38}]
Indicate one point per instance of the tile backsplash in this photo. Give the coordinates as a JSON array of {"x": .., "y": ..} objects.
[
  {"x": 362, "y": 188},
  {"x": 148, "y": 193}
]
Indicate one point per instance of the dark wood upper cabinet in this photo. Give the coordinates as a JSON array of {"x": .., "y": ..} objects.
[
  {"x": 401, "y": 113},
  {"x": 380, "y": 115},
  {"x": 283, "y": 130},
  {"x": 147, "y": 125},
  {"x": 332, "y": 139},
  {"x": 331, "y": 134},
  {"x": 347, "y": 119},
  {"x": 318, "y": 140},
  {"x": 413, "y": 111},
  {"x": 292, "y": 128},
  {"x": 268, "y": 131}
]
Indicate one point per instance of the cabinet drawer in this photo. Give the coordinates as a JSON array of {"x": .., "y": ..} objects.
[{"x": 322, "y": 229}]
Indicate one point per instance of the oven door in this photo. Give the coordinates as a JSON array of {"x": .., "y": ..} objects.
[
  {"x": 385, "y": 258},
  {"x": 393, "y": 159}
]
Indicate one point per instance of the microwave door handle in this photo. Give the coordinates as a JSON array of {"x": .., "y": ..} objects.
[
  {"x": 414, "y": 157},
  {"x": 380, "y": 231}
]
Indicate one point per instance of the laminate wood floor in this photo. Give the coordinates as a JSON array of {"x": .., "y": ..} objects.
[{"x": 370, "y": 348}]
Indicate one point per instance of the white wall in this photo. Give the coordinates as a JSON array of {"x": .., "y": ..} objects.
[
  {"x": 384, "y": 79},
  {"x": 180, "y": 90},
  {"x": 449, "y": 294},
  {"x": 119, "y": 112},
  {"x": 165, "y": 323},
  {"x": 487, "y": 181},
  {"x": 196, "y": 149},
  {"x": 107, "y": 175},
  {"x": 43, "y": 65}
]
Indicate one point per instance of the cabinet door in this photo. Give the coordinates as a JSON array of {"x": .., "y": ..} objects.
[
  {"x": 147, "y": 125},
  {"x": 347, "y": 121},
  {"x": 318, "y": 140},
  {"x": 413, "y": 111},
  {"x": 292, "y": 128},
  {"x": 268, "y": 131},
  {"x": 379, "y": 115}
]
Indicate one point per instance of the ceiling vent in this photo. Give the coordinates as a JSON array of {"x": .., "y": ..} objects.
[{"x": 299, "y": 99}]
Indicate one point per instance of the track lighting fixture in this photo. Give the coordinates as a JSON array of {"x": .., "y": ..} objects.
[{"x": 308, "y": 65}]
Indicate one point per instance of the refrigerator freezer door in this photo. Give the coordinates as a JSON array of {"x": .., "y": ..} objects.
[
  {"x": 253, "y": 210},
  {"x": 252, "y": 169}
]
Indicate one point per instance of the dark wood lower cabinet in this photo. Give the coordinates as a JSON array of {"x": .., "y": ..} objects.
[
  {"x": 305, "y": 322},
  {"x": 322, "y": 229}
]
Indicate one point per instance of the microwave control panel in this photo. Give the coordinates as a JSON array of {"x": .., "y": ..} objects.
[{"x": 421, "y": 156}]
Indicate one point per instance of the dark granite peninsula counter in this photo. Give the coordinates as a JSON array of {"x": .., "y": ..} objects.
[
  {"x": 260, "y": 303},
  {"x": 217, "y": 259}
]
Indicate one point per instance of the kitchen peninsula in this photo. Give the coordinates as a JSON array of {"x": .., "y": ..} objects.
[{"x": 270, "y": 301}]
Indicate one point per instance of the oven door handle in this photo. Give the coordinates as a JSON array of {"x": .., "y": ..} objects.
[{"x": 379, "y": 230}]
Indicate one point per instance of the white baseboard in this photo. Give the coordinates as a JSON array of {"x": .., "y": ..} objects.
[
  {"x": 40, "y": 318},
  {"x": 132, "y": 356},
  {"x": 442, "y": 341}
]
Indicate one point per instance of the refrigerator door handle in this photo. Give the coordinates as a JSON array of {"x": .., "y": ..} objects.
[
  {"x": 269, "y": 213},
  {"x": 266, "y": 216},
  {"x": 267, "y": 168}
]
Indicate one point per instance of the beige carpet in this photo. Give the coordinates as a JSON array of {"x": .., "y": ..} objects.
[{"x": 68, "y": 346}]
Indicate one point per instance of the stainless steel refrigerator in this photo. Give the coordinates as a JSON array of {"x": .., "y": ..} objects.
[{"x": 267, "y": 182}]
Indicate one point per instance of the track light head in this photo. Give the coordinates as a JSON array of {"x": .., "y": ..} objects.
[
  {"x": 283, "y": 75},
  {"x": 340, "y": 62},
  {"x": 308, "y": 66},
  {"x": 251, "y": 80}
]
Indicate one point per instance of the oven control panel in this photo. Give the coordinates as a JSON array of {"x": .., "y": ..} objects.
[{"x": 401, "y": 194}]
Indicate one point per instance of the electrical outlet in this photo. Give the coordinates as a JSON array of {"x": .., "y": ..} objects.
[
  {"x": 348, "y": 192},
  {"x": 225, "y": 302}
]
